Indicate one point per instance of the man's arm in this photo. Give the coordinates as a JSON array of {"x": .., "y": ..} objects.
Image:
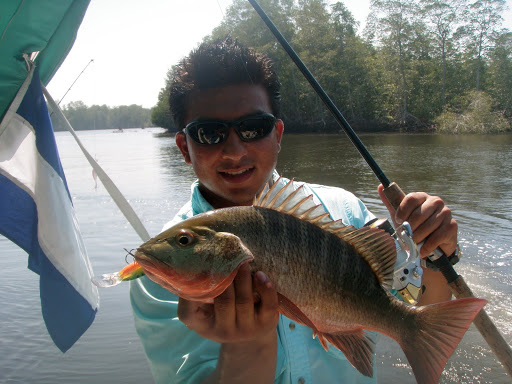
[
  {"x": 432, "y": 223},
  {"x": 436, "y": 288},
  {"x": 245, "y": 328}
]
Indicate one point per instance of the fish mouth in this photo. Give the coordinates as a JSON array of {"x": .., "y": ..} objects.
[
  {"x": 158, "y": 271},
  {"x": 147, "y": 262},
  {"x": 146, "y": 258},
  {"x": 203, "y": 287}
]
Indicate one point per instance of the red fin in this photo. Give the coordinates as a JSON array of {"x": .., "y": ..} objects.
[
  {"x": 378, "y": 248},
  {"x": 357, "y": 347},
  {"x": 290, "y": 310},
  {"x": 440, "y": 328}
]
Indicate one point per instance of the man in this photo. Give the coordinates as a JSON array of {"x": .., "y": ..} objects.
[{"x": 227, "y": 99}]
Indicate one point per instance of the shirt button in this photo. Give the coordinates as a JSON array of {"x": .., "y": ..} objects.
[
  {"x": 292, "y": 327},
  {"x": 301, "y": 380}
]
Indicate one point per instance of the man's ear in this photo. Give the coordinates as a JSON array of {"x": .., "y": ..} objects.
[
  {"x": 181, "y": 142},
  {"x": 279, "y": 128}
]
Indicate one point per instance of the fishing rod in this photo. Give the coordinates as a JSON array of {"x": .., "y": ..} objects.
[
  {"x": 395, "y": 195},
  {"x": 71, "y": 86}
]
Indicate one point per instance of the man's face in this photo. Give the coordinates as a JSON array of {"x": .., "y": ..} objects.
[{"x": 233, "y": 172}]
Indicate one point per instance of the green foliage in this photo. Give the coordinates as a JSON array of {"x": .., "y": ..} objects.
[
  {"x": 500, "y": 74},
  {"x": 415, "y": 59},
  {"x": 161, "y": 114},
  {"x": 483, "y": 17},
  {"x": 477, "y": 117},
  {"x": 82, "y": 117}
]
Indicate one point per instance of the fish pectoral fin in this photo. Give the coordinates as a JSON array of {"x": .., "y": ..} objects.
[
  {"x": 357, "y": 347},
  {"x": 290, "y": 310}
]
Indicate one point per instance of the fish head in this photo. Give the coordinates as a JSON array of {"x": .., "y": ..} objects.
[{"x": 194, "y": 262}]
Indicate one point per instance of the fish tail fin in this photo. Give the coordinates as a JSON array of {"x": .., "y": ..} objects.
[{"x": 440, "y": 328}]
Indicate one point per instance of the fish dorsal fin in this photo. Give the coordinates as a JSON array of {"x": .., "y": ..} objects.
[
  {"x": 378, "y": 248},
  {"x": 294, "y": 201},
  {"x": 375, "y": 245}
]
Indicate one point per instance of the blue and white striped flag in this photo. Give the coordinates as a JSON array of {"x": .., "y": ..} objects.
[{"x": 37, "y": 214}]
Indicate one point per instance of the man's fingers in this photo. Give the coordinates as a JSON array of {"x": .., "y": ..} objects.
[
  {"x": 186, "y": 311},
  {"x": 234, "y": 315},
  {"x": 195, "y": 315},
  {"x": 268, "y": 307},
  {"x": 430, "y": 219},
  {"x": 384, "y": 199},
  {"x": 244, "y": 299},
  {"x": 444, "y": 237},
  {"x": 224, "y": 308},
  {"x": 425, "y": 220},
  {"x": 413, "y": 210}
]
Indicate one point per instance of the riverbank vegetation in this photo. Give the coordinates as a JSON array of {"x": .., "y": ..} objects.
[
  {"x": 82, "y": 117},
  {"x": 424, "y": 65}
]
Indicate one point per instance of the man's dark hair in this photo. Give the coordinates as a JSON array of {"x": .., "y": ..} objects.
[{"x": 220, "y": 63}]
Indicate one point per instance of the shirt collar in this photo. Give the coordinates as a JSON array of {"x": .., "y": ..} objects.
[{"x": 199, "y": 203}]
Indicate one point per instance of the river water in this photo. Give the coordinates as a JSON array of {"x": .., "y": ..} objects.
[{"x": 472, "y": 174}]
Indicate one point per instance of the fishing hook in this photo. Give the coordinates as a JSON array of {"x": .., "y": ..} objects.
[{"x": 128, "y": 253}]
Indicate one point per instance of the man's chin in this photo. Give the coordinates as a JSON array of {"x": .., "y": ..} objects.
[{"x": 234, "y": 197}]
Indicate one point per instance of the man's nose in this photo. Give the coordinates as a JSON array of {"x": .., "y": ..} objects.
[{"x": 234, "y": 147}]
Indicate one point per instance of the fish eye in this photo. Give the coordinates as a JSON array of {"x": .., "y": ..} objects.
[{"x": 184, "y": 238}]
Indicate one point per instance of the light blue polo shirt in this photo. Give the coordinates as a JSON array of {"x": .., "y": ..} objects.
[{"x": 178, "y": 355}]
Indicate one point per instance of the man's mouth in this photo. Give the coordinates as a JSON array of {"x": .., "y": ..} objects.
[
  {"x": 234, "y": 173},
  {"x": 238, "y": 175}
]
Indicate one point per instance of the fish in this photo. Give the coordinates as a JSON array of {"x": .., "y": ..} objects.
[{"x": 330, "y": 277}]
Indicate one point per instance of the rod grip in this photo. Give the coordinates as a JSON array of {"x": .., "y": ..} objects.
[{"x": 394, "y": 194}]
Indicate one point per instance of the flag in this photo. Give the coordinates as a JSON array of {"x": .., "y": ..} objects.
[{"x": 37, "y": 214}]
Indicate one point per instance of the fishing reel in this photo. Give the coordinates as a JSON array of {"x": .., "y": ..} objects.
[{"x": 407, "y": 278}]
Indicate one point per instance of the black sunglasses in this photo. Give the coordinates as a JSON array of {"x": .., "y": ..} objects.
[{"x": 248, "y": 128}]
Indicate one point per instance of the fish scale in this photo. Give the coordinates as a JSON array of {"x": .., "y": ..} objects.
[
  {"x": 330, "y": 277},
  {"x": 302, "y": 257}
]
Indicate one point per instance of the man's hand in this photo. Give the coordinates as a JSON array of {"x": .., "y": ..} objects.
[
  {"x": 432, "y": 223},
  {"x": 237, "y": 314},
  {"x": 430, "y": 219},
  {"x": 244, "y": 319}
]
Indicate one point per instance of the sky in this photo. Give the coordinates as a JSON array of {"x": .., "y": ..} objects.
[{"x": 134, "y": 43}]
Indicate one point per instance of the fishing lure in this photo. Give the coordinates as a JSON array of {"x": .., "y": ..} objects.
[{"x": 131, "y": 272}]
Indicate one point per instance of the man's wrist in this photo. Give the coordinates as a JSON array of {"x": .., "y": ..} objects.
[
  {"x": 251, "y": 361},
  {"x": 454, "y": 258}
]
